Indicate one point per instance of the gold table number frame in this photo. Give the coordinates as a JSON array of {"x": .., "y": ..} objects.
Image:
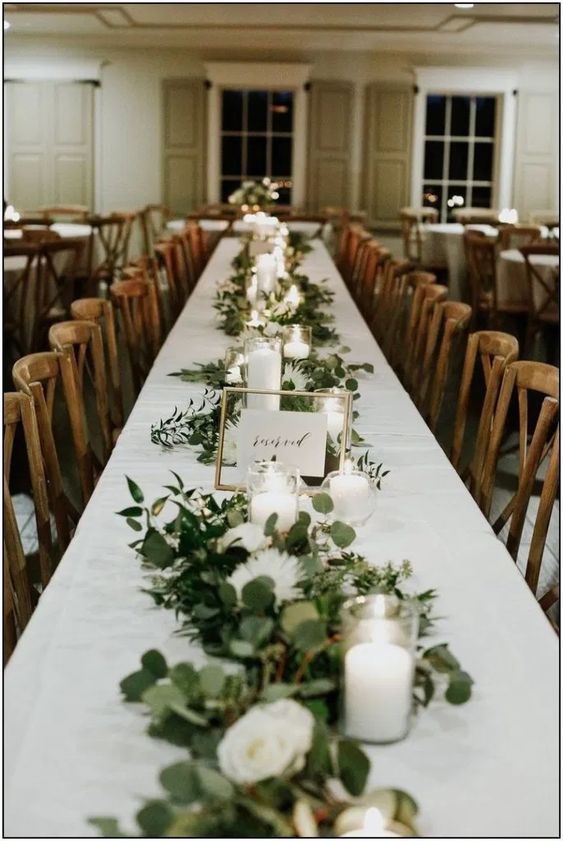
[{"x": 314, "y": 397}]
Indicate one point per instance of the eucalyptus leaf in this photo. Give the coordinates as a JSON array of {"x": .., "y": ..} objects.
[
  {"x": 155, "y": 663},
  {"x": 132, "y": 511},
  {"x": 323, "y": 503},
  {"x": 136, "y": 683},
  {"x": 133, "y": 524},
  {"x": 135, "y": 490},
  {"x": 459, "y": 687},
  {"x": 257, "y": 595},
  {"x": 213, "y": 784},
  {"x": 155, "y": 818},
  {"x": 108, "y": 827},
  {"x": 181, "y": 782},
  {"x": 309, "y": 634},
  {"x": 156, "y": 550},
  {"x": 161, "y": 697},
  {"x": 241, "y": 648},
  {"x": 212, "y": 680},
  {"x": 276, "y": 691},
  {"x": 342, "y": 534},
  {"x": 353, "y": 766},
  {"x": 295, "y": 613}
]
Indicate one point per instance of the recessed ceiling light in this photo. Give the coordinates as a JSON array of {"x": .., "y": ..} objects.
[
  {"x": 7, "y": 24},
  {"x": 464, "y": 5}
]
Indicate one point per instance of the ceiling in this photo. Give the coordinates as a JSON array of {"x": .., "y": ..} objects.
[{"x": 323, "y": 26}]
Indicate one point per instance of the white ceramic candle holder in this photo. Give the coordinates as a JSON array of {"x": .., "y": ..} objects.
[
  {"x": 273, "y": 488},
  {"x": 297, "y": 341},
  {"x": 379, "y": 634}
]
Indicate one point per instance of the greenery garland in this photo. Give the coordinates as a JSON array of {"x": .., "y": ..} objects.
[{"x": 268, "y": 604}]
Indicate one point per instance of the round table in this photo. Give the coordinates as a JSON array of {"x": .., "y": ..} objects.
[
  {"x": 442, "y": 244},
  {"x": 512, "y": 283}
]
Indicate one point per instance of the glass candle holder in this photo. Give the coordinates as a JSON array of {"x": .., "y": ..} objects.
[
  {"x": 353, "y": 494},
  {"x": 379, "y": 634},
  {"x": 252, "y": 289},
  {"x": 266, "y": 273},
  {"x": 297, "y": 341},
  {"x": 255, "y": 322},
  {"x": 263, "y": 367},
  {"x": 234, "y": 365},
  {"x": 273, "y": 488},
  {"x": 334, "y": 409},
  {"x": 368, "y": 822}
]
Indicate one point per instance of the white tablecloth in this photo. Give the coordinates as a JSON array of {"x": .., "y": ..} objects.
[
  {"x": 512, "y": 283},
  {"x": 443, "y": 244},
  {"x": 73, "y": 749}
]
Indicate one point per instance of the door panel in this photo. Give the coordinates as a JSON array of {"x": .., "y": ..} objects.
[
  {"x": 183, "y": 146},
  {"x": 330, "y": 144}
]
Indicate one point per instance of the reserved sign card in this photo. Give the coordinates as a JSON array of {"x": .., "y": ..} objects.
[{"x": 297, "y": 439}]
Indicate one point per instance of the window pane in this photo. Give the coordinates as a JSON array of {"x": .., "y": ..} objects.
[
  {"x": 257, "y": 110},
  {"x": 228, "y": 186},
  {"x": 435, "y": 114},
  {"x": 256, "y": 157},
  {"x": 433, "y": 159},
  {"x": 232, "y": 111},
  {"x": 282, "y": 111},
  {"x": 231, "y": 155},
  {"x": 456, "y": 199},
  {"x": 481, "y": 197},
  {"x": 483, "y": 162},
  {"x": 460, "y": 116},
  {"x": 285, "y": 195},
  {"x": 485, "y": 107},
  {"x": 432, "y": 196},
  {"x": 458, "y": 160},
  {"x": 281, "y": 155}
]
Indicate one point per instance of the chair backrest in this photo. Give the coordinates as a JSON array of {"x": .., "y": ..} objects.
[
  {"x": 82, "y": 345},
  {"x": 449, "y": 320},
  {"x": 37, "y": 376},
  {"x": 170, "y": 255},
  {"x": 100, "y": 311},
  {"x": 515, "y": 236},
  {"x": 426, "y": 296},
  {"x": 112, "y": 234},
  {"x": 481, "y": 257},
  {"x": 66, "y": 212},
  {"x": 476, "y": 215},
  {"x": 19, "y": 413},
  {"x": 522, "y": 378},
  {"x": 543, "y": 295},
  {"x": 412, "y": 221},
  {"x": 19, "y": 291},
  {"x": 137, "y": 304},
  {"x": 153, "y": 221},
  {"x": 495, "y": 351}
]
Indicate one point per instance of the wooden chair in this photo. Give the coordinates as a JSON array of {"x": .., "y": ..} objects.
[
  {"x": 19, "y": 294},
  {"x": 373, "y": 280},
  {"x": 412, "y": 221},
  {"x": 543, "y": 296},
  {"x": 19, "y": 414},
  {"x": 170, "y": 257},
  {"x": 183, "y": 273},
  {"x": 522, "y": 378},
  {"x": 476, "y": 216},
  {"x": 426, "y": 296},
  {"x": 100, "y": 311},
  {"x": 138, "y": 307},
  {"x": 449, "y": 320},
  {"x": 153, "y": 219},
  {"x": 194, "y": 237},
  {"x": 81, "y": 343},
  {"x": 37, "y": 375},
  {"x": 111, "y": 234},
  {"x": 38, "y": 234},
  {"x": 66, "y": 213},
  {"x": 515, "y": 236},
  {"x": 353, "y": 237},
  {"x": 481, "y": 257},
  {"x": 496, "y": 351},
  {"x": 378, "y": 295}
]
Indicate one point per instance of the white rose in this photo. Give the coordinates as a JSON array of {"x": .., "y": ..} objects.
[
  {"x": 248, "y": 535},
  {"x": 268, "y": 741}
]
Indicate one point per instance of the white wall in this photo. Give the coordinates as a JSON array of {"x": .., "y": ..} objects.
[{"x": 128, "y": 102}]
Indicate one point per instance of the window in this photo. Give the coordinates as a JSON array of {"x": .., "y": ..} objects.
[
  {"x": 459, "y": 152},
  {"x": 257, "y": 139}
]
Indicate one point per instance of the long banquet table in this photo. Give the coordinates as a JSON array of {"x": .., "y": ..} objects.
[{"x": 73, "y": 749}]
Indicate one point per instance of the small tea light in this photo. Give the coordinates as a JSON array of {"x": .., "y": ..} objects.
[
  {"x": 297, "y": 341},
  {"x": 234, "y": 361},
  {"x": 508, "y": 216},
  {"x": 378, "y": 674},
  {"x": 273, "y": 489},
  {"x": 293, "y": 296},
  {"x": 266, "y": 273},
  {"x": 263, "y": 357},
  {"x": 374, "y": 825},
  {"x": 254, "y": 320}
]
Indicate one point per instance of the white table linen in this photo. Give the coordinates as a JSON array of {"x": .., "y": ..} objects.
[
  {"x": 512, "y": 283},
  {"x": 73, "y": 749}
]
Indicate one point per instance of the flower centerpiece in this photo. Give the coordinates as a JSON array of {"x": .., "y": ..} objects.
[{"x": 255, "y": 195}]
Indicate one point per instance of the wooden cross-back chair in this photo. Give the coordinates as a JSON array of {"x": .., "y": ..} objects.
[
  {"x": 37, "y": 376},
  {"x": 19, "y": 574},
  {"x": 136, "y": 302},
  {"x": 100, "y": 311},
  {"x": 393, "y": 327},
  {"x": 379, "y": 309},
  {"x": 408, "y": 305},
  {"x": 111, "y": 234},
  {"x": 476, "y": 216},
  {"x": 353, "y": 236},
  {"x": 148, "y": 269},
  {"x": 522, "y": 378},
  {"x": 182, "y": 273},
  {"x": 413, "y": 220},
  {"x": 543, "y": 296},
  {"x": 10, "y": 620},
  {"x": 153, "y": 219},
  {"x": 19, "y": 294},
  {"x": 363, "y": 264},
  {"x": 495, "y": 351},
  {"x": 449, "y": 320},
  {"x": 481, "y": 257},
  {"x": 81, "y": 343},
  {"x": 168, "y": 254},
  {"x": 515, "y": 236},
  {"x": 195, "y": 237},
  {"x": 426, "y": 296}
]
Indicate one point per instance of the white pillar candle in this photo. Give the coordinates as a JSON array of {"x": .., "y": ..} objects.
[
  {"x": 266, "y": 273},
  {"x": 293, "y": 297},
  {"x": 263, "y": 371},
  {"x": 377, "y": 691},
  {"x": 350, "y": 494},
  {"x": 335, "y": 416},
  {"x": 252, "y": 291},
  {"x": 282, "y": 503},
  {"x": 297, "y": 349}
]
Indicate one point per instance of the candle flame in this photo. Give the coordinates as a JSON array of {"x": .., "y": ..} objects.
[{"x": 373, "y": 821}]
